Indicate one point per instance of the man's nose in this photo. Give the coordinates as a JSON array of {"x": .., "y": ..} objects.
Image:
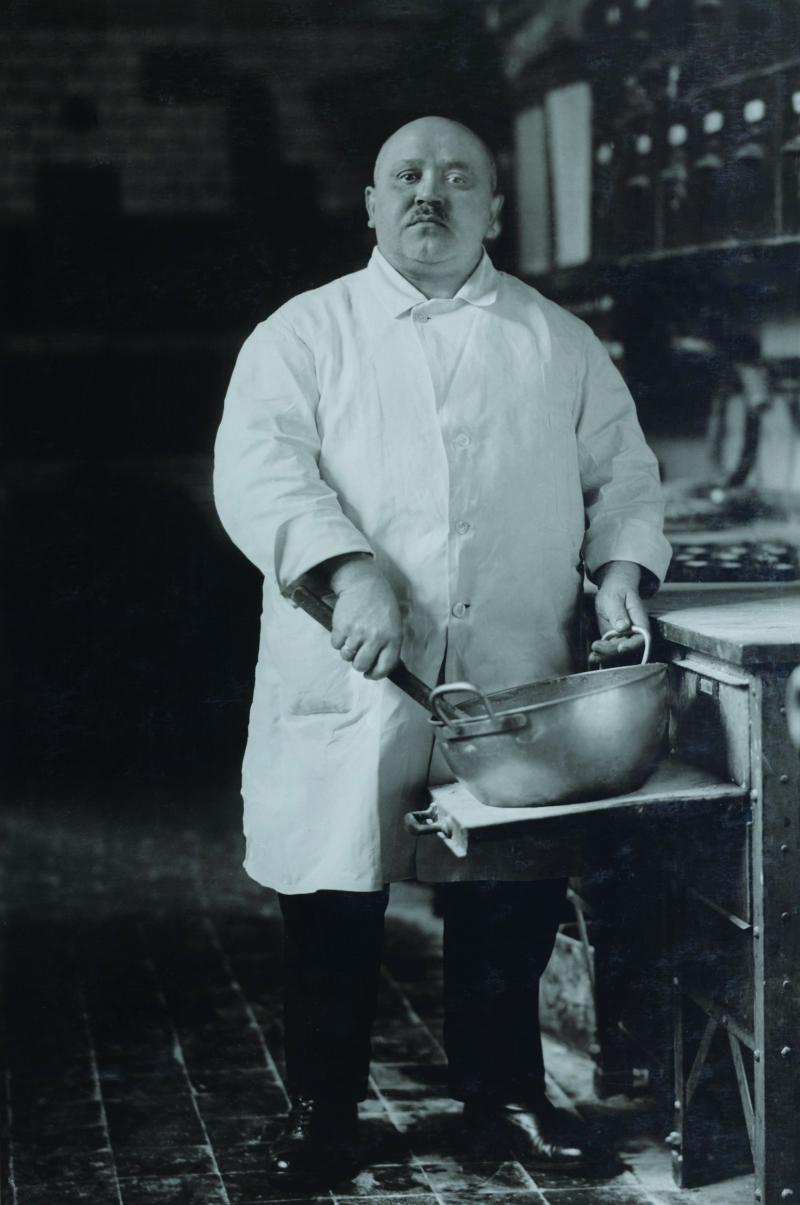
[{"x": 428, "y": 188}]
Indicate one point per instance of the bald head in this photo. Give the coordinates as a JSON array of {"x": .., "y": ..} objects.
[
  {"x": 433, "y": 203},
  {"x": 437, "y": 129}
]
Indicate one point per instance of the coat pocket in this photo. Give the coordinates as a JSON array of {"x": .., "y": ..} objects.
[{"x": 313, "y": 679}]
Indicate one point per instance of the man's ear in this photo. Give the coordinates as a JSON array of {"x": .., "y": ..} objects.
[
  {"x": 496, "y": 204},
  {"x": 369, "y": 201}
]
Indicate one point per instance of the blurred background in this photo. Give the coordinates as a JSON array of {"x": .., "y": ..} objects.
[
  {"x": 174, "y": 170},
  {"x": 171, "y": 172}
]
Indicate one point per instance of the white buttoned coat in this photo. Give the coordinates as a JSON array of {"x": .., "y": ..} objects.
[{"x": 484, "y": 449}]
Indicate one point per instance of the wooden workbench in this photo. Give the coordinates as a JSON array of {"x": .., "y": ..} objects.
[{"x": 730, "y": 653}]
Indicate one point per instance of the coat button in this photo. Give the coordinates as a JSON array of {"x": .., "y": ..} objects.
[
  {"x": 421, "y": 317},
  {"x": 462, "y": 440},
  {"x": 462, "y": 527},
  {"x": 460, "y": 609}
]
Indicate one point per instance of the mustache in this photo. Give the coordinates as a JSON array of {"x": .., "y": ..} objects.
[{"x": 428, "y": 211}]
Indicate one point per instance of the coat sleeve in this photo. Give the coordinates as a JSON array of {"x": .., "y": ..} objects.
[
  {"x": 619, "y": 473},
  {"x": 268, "y": 490}
]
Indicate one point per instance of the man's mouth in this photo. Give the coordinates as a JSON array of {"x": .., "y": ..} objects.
[{"x": 419, "y": 219}]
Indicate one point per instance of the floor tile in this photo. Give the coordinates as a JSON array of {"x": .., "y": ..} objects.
[
  {"x": 523, "y": 1197},
  {"x": 412, "y": 1199},
  {"x": 56, "y": 1120},
  {"x": 118, "y": 1085},
  {"x": 165, "y": 1121},
  {"x": 380, "y": 1180},
  {"x": 593, "y": 1194},
  {"x": 164, "y": 1162},
  {"x": 175, "y": 1190},
  {"x": 253, "y": 1188},
  {"x": 740, "y": 1191},
  {"x": 479, "y": 1179},
  {"x": 237, "y": 1093},
  {"x": 104, "y": 1193},
  {"x": 34, "y": 1168},
  {"x": 411, "y": 1080},
  {"x": 612, "y": 1173},
  {"x": 243, "y": 1159}
]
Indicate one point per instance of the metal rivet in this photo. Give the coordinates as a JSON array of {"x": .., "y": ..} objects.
[
  {"x": 783, "y": 778},
  {"x": 754, "y": 795},
  {"x": 756, "y": 931},
  {"x": 678, "y": 1158},
  {"x": 676, "y": 1104},
  {"x": 786, "y": 916},
  {"x": 787, "y": 983},
  {"x": 785, "y": 1051},
  {"x": 787, "y": 1194},
  {"x": 784, "y": 848},
  {"x": 676, "y": 981},
  {"x": 757, "y": 1056}
]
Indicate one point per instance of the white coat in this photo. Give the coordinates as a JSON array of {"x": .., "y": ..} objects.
[{"x": 484, "y": 449}]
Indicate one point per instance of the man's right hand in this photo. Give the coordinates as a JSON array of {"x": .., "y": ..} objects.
[{"x": 367, "y": 628}]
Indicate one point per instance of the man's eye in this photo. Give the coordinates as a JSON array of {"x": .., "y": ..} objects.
[
  {"x": 457, "y": 178},
  {"x": 408, "y": 176}
]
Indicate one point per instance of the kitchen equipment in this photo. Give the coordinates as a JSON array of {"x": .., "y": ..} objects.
[
  {"x": 579, "y": 737},
  {"x": 583, "y": 736},
  {"x": 739, "y": 561}
]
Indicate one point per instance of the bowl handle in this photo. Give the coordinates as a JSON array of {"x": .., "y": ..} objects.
[
  {"x": 451, "y": 688},
  {"x": 642, "y": 632}
]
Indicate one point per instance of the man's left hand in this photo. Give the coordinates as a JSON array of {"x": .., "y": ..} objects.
[{"x": 618, "y": 607}]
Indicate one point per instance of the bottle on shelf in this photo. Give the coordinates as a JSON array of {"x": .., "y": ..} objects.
[
  {"x": 751, "y": 178},
  {"x": 709, "y": 176},
  {"x": 674, "y": 179},
  {"x": 635, "y": 207},
  {"x": 790, "y": 153},
  {"x": 604, "y": 179}
]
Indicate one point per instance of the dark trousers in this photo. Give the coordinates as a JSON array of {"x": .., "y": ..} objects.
[{"x": 498, "y": 938}]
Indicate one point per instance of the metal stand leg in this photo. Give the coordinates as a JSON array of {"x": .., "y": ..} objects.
[{"x": 776, "y": 948}]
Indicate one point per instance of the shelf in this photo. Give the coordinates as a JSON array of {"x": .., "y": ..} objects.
[
  {"x": 604, "y": 275},
  {"x": 674, "y": 787},
  {"x": 725, "y": 245}
]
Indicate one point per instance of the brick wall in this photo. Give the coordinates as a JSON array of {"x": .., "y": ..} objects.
[{"x": 159, "y": 108}]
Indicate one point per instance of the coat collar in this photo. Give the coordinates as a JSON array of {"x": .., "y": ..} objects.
[{"x": 399, "y": 296}]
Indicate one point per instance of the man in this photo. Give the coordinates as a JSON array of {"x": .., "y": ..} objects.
[{"x": 447, "y": 450}]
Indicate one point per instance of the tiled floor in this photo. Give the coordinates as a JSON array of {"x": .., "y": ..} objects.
[{"x": 142, "y": 1036}]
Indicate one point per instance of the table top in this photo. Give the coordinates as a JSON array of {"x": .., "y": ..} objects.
[{"x": 747, "y": 625}]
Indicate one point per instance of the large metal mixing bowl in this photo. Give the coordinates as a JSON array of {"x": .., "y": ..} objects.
[{"x": 585, "y": 736}]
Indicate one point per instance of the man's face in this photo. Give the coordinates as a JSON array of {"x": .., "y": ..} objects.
[{"x": 432, "y": 202}]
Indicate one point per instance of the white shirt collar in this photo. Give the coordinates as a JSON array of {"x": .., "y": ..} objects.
[{"x": 398, "y": 295}]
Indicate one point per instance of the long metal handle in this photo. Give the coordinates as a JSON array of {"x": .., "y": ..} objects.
[{"x": 316, "y": 606}]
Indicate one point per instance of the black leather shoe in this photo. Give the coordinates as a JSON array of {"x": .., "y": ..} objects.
[
  {"x": 543, "y": 1136},
  {"x": 318, "y": 1146}
]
